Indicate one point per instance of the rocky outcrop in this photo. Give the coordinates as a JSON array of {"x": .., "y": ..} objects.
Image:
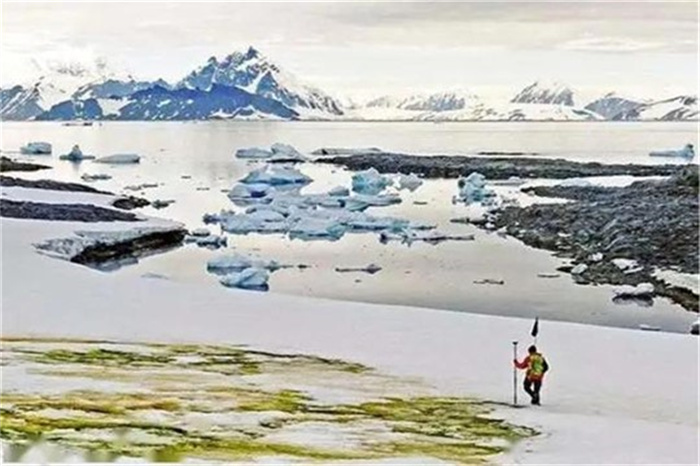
[
  {"x": 495, "y": 168},
  {"x": 9, "y": 165},
  {"x": 10, "y": 182},
  {"x": 62, "y": 212},
  {"x": 654, "y": 223}
]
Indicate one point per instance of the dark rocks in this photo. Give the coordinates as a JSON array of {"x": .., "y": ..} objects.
[
  {"x": 495, "y": 168},
  {"x": 654, "y": 223},
  {"x": 147, "y": 244},
  {"x": 10, "y": 182},
  {"x": 62, "y": 212},
  {"x": 130, "y": 202},
  {"x": 9, "y": 165}
]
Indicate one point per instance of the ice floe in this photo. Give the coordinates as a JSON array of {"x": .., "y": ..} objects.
[
  {"x": 276, "y": 175},
  {"x": 119, "y": 159},
  {"x": 688, "y": 152},
  {"x": 410, "y": 182},
  {"x": 252, "y": 278},
  {"x": 369, "y": 182},
  {"x": 237, "y": 262},
  {"x": 36, "y": 148}
]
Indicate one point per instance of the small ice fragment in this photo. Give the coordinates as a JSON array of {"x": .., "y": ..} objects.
[
  {"x": 36, "y": 148},
  {"x": 252, "y": 278},
  {"x": 119, "y": 159}
]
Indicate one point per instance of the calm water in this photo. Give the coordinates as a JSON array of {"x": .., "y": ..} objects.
[{"x": 439, "y": 276}]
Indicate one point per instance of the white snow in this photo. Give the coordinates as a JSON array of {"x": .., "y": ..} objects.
[
  {"x": 38, "y": 147},
  {"x": 682, "y": 280},
  {"x": 626, "y": 265},
  {"x": 111, "y": 106},
  {"x": 687, "y": 152},
  {"x": 119, "y": 159},
  {"x": 612, "y": 396}
]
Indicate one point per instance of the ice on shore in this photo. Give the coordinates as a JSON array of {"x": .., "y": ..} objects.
[
  {"x": 276, "y": 175},
  {"x": 369, "y": 182},
  {"x": 579, "y": 269},
  {"x": 36, "y": 148},
  {"x": 252, "y": 278},
  {"x": 119, "y": 159},
  {"x": 627, "y": 265},
  {"x": 253, "y": 153},
  {"x": 472, "y": 189},
  {"x": 688, "y": 152},
  {"x": 410, "y": 182},
  {"x": 643, "y": 290},
  {"x": 76, "y": 155}
]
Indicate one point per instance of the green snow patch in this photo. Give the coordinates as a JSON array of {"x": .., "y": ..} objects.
[{"x": 165, "y": 402}]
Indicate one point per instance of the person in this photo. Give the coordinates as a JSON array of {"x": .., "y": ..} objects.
[{"x": 536, "y": 366}]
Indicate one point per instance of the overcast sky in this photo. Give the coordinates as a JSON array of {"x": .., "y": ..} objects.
[{"x": 363, "y": 49}]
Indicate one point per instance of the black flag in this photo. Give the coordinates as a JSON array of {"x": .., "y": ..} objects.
[{"x": 536, "y": 327}]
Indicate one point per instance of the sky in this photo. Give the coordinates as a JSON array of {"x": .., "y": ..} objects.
[{"x": 360, "y": 50}]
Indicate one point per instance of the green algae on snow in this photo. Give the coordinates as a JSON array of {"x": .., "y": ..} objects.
[{"x": 179, "y": 402}]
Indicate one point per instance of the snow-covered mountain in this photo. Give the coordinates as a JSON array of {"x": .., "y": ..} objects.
[
  {"x": 161, "y": 103},
  {"x": 541, "y": 92},
  {"x": 436, "y": 102},
  {"x": 256, "y": 74},
  {"x": 612, "y": 105},
  {"x": 683, "y": 107}
]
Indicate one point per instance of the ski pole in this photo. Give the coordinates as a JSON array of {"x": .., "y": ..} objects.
[{"x": 515, "y": 374}]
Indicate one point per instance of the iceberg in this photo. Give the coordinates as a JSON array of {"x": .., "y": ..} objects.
[
  {"x": 310, "y": 228},
  {"x": 254, "y": 222},
  {"x": 275, "y": 175},
  {"x": 472, "y": 189},
  {"x": 369, "y": 182},
  {"x": 238, "y": 262},
  {"x": 282, "y": 153},
  {"x": 252, "y": 278},
  {"x": 76, "y": 155},
  {"x": 410, "y": 182},
  {"x": 339, "y": 191},
  {"x": 688, "y": 152},
  {"x": 119, "y": 159},
  {"x": 253, "y": 153},
  {"x": 36, "y": 148},
  {"x": 257, "y": 191}
]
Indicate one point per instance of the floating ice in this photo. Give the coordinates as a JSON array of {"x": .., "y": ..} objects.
[
  {"x": 317, "y": 228},
  {"x": 472, "y": 189},
  {"x": 207, "y": 241},
  {"x": 409, "y": 236},
  {"x": 410, "y": 182},
  {"x": 275, "y": 175},
  {"x": 200, "y": 232},
  {"x": 253, "y": 153},
  {"x": 361, "y": 202},
  {"x": 259, "y": 221},
  {"x": 250, "y": 191},
  {"x": 36, "y": 148},
  {"x": 248, "y": 279},
  {"x": 238, "y": 262},
  {"x": 339, "y": 191},
  {"x": 643, "y": 290},
  {"x": 76, "y": 155},
  {"x": 369, "y": 182},
  {"x": 688, "y": 152},
  {"x": 119, "y": 159},
  {"x": 286, "y": 153}
]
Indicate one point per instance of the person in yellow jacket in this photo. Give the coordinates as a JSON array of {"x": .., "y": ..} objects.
[{"x": 535, "y": 365}]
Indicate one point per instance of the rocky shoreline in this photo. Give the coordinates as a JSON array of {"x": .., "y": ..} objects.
[
  {"x": 493, "y": 168},
  {"x": 653, "y": 223}
]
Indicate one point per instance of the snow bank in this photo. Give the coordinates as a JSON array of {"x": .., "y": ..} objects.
[
  {"x": 119, "y": 159},
  {"x": 36, "y": 148},
  {"x": 688, "y": 152}
]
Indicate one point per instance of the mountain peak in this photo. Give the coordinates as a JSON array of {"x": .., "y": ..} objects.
[{"x": 545, "y": 92}]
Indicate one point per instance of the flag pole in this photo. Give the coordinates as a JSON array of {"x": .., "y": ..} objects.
[{"x": 515, "y": 374}]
